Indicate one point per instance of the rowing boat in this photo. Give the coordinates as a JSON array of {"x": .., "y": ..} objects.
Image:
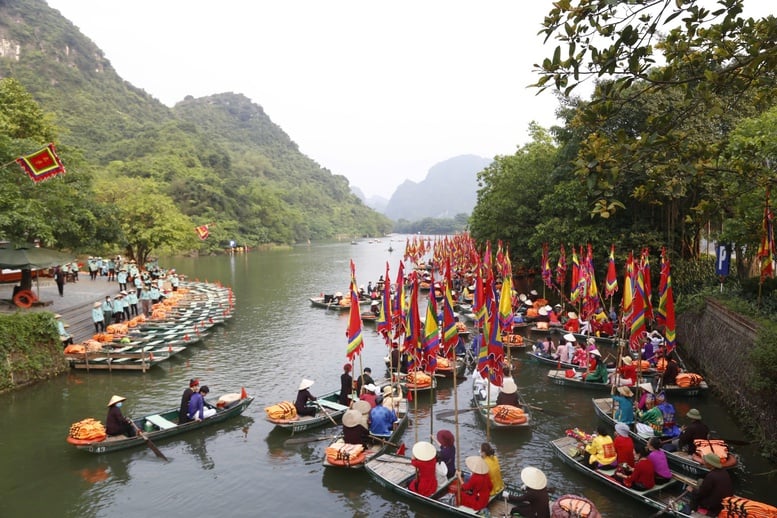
[
  {"x": 395, "y": 472},
  {"x": 330, "y": 411},
  {"x": 499, "y": 417},
  {"x": 378, "y": 446},
  {"x": 160, "y": 425},
  {"x": 669, "y": 497},
  {"x": 680, "y": 460},
  {"x": 561, "y": 377}
]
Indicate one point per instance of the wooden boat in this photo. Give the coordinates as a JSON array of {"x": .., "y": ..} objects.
[
  {"x": 677, "y": 390},
  {"x": 330, "y": 411},
  {"x": 126, "y": 358},
  {"x": 395, "y": 472},
  {"x": 559, "y": 377},
  {"x": 412, "y": 387},
  {"x": 161, "y": 425},
  {"x": 679, "y": 460},
  {"x": 321, "y": 302},
  {"x": 446, "y": 372},
  {"x": 610, "y": 342},
  {"x": 668, "y": 497},
  {"x": 378, "y": 447},
  {"x": 500, "y": 420},
  {"x": 516, "y": 342},
  {"x": 546, "y": 360}
]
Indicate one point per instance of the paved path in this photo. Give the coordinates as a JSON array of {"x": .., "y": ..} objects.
[{"x": 75, "y": 305}]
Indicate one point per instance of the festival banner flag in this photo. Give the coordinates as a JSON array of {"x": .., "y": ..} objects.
[
  {"x": 398, "y": 302},
  {"x": 628, "y": 289},
  {"x": 766, "y": 249},
  {"x": 431, "y": 338},
  {"x": 611, "y": 282},
  {"x": 547, "y": 275},
  {"x": 450, "y": 333},
  {"x": 412, "y": 342},
  {"x": 354, "y": 330},
  {"x": 575, "y": 277},
  {"x": 647, "y": 284},
  {"x": 561, "y": 269},
  {"x": 203, "y": 231},
  {"x": 383, "y": 323},
  {"x": 666, "y": 316},
  {"x": 42, "y": 165},
  {"x": 638, "y": 327}
]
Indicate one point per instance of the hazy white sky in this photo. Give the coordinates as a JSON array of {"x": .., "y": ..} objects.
[{"x": 376, "y": 91}]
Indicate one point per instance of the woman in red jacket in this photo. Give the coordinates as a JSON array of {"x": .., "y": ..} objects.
[
  {"x": 424, "y": 460},
  {"x": 476, "y": 492}
]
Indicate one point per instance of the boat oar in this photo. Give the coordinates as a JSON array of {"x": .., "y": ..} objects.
[
  {"x": 670, "y": 504},
  {"x": 304, "y": 440},
  {"x": 448, "y": 413},
  {"x": 545, "y": 410},
  {"x": 384, "y": 441},
  {"x": 326, "y": 413},
  {"x": 148, "y": 441}
]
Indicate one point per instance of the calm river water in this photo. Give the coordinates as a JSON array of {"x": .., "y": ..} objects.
[{"x": 240, "y": 468}]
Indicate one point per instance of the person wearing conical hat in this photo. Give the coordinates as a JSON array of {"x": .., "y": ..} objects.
[
  {"x": 573, "y": 323},
  {"x": 303, "y": 396},
  {"x": 626, "y": 372},
  {"x": 624, "y": 407},
  {"x": 689, "y": 433},
  {"x": 714, "y": 488},
  {"x": 476, "y": 491},
  {"x": 354, "y": 431},
  {"x": 115, "y": 422},
  {"x": 98, "y": 318},
  {"x": 534, "y": 501},
  {"x": 599, "y": 373},
  {"x": 508, "y": 394},
  {"x": 424, "y": 460}
]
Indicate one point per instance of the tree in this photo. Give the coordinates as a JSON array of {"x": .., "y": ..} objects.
[
  {"x": 149, "y": 221},
  {"x": 716, "y": 63}
]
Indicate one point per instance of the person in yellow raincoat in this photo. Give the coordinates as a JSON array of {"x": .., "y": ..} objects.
[{"x": 601, "y": 451}]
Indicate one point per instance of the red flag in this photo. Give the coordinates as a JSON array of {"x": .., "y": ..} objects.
[
  {"x": 611, "y": 282},
  {"x": 354, "y": 331},
  {"x": 42, "y": 165},
  {"x": 202, "y": 231}
]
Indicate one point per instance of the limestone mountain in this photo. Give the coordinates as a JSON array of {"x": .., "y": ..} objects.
[
  {"x": 450, "y": 188},
  {"x": 220, "y": 158}
]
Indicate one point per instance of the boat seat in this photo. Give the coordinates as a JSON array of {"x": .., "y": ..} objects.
[
  {"x": 160, "y": 421},
  {"x": 331, "y": 405}
]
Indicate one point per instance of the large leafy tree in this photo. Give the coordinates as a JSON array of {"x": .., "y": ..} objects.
[
  {"x": 654, "y": 134},
  {"x": 148, "y": 219}
]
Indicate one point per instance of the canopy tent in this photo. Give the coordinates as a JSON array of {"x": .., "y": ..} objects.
[{"x": 30, "y": 257}]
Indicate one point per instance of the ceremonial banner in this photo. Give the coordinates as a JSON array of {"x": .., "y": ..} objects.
[
  {"x": 202, "y": 231},
  {"x": 42, "y": 164}
]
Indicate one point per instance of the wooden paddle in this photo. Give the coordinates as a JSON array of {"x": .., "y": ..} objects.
[
  {"x": 669, "y": 504},
  {"x": 304, "y": 440},
  {"x": 148, "y": 441},
  {"x": 326, "y": 413},
  {"x": 384, "y": 441}
]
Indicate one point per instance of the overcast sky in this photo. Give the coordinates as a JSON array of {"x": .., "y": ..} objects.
[{"x": 376, "y": 91}]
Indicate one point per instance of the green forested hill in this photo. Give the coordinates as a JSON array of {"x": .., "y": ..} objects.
[{"x": 216, "y": 160}]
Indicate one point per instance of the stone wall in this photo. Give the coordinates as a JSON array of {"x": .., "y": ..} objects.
[{"x": 717, "y": 343}]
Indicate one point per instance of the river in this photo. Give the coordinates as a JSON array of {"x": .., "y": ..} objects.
[{"x": 240, "y": 468}]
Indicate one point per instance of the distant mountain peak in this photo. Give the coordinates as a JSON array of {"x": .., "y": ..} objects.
[{"x": 450, "y": 188}]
